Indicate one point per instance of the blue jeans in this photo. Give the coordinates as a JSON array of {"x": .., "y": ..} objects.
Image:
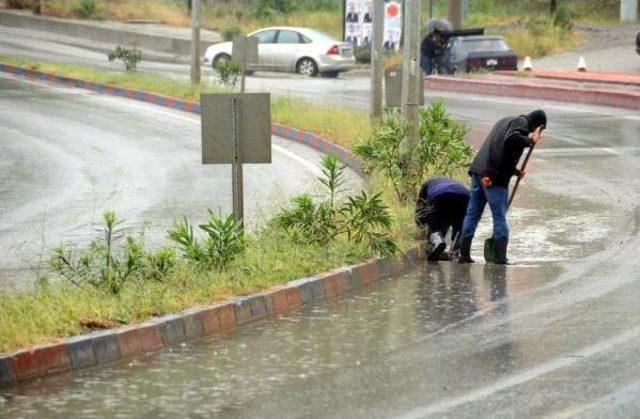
[
  {"x": 497, "y": 197},
  {"x": 425, "y": 64}
]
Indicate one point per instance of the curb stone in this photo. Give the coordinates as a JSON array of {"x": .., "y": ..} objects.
[
  {"x": 102, "y": 347},
  {"x": 599, "y": 96}
]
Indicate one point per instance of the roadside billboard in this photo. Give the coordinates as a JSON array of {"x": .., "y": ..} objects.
[{"x": 358, "y": 23}]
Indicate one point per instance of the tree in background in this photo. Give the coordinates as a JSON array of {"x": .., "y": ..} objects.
[
  {"x": 553, "y": 6},
  {"x": 36, "y": 7}
]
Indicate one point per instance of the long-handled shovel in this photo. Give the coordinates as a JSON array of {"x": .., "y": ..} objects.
[{"x": 489, "y": 245}]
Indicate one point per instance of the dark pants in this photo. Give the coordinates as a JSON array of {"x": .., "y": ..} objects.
[{"x": 443, "y": 212}]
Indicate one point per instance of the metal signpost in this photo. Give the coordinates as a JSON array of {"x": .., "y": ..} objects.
[
  {"x": 244, "y": 52},
  {"x": 236, "y": 129}
]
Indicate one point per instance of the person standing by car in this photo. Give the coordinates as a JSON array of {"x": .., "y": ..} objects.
[
  {"x": 431, "y": 48},
  {"x": 442, "y": 204},
  {"x": 491, "y": 171}
]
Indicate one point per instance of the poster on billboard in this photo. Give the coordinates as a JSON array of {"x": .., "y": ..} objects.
[{"x": 358, "y": 17}]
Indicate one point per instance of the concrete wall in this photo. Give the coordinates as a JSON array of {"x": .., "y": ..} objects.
[{"x": 100, "y": 32}]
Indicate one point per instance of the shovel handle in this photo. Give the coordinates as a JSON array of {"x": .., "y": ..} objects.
[{"x": 523, "y": 167}]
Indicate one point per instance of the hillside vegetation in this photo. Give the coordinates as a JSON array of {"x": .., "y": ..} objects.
[{"x": 526, "y": 24}]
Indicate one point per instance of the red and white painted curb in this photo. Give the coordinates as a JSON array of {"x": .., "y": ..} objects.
[{"x": 590, "y": 96}]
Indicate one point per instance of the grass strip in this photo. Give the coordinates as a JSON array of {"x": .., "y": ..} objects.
[{"x": 58, "y": 309}]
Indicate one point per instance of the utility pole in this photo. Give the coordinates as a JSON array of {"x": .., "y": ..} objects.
[
  {"x": 412, "y": 82},
  {"x": 628, "y": 11},
  {"x": 455, "y": 13},
  {"x": 377, "y": 37},
  {"x": 195, "y": 42}
]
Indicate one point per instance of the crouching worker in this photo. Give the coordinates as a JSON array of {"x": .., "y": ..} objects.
[{"x": 441, "y": 205}]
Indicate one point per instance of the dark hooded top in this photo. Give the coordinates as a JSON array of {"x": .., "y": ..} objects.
[{"x": 502, "y": 150}]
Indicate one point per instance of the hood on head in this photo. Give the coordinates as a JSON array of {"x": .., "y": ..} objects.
[{"x": 536, "y": 119}]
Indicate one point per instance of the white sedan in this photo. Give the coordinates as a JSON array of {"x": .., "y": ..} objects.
[{"x": 301, "y": 50}]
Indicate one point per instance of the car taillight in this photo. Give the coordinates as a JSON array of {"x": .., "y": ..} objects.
[{"x": 333, "y": 50}]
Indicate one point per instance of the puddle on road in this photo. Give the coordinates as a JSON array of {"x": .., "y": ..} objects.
[{"x": 226, "y": 375}]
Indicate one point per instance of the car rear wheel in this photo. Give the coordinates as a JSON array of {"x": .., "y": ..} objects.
[
  {"x": 307, "y": 67},
  {"x": 219, "y": 58}
]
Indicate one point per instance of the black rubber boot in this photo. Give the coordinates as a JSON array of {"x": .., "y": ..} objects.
[
  {"x": 437, "y": 246},
  {"x": 501, "y": 251},
  {"x": 465, "y": 250}
]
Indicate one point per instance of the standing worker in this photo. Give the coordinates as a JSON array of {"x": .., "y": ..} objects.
[
  {"x": 441, "y": 205},
  {"x": 491, "y": 171}
]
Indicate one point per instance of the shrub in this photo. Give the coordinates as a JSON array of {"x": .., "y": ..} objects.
[
  {"x": 18, "y": 4},
  {"x": 362, "y": 54},
  {"x": 86, "y": 9},
  {"x": 563, "y": 18},
  {"x": 129, "y": 57},
  {"x": 223, "y": 243},
  {"x": 228, "y": 74},
  {"x": 362, "y": 218},
  {"x": 229, "y": 31},
  {"x": 107, "y": 265},
  {"x": 273, "y": 7},
  {"x": 440, "y": 150}
]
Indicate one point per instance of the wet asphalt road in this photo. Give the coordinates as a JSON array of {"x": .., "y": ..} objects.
[
  {"x": 68, "y": 155},
  {"x": 556, "y": 336}
]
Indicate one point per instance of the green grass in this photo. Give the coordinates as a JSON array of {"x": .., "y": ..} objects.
[{"x": 58, "y": 309}]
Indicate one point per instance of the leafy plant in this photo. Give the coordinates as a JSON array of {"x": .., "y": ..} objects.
[
  {"x": 228, "y": 74},
  {"x": 129, "y": 57},
  {"x": 362, "y": 218},
  {"x": 563, "y": 18},
  {"x": 308, "y": 221},
  {"x": 86, "y": 9},
  {"x": 223, "y": 243},
  {"x": 441, "y": 149},
  {"x": 107, "y": 265},
  {"x": 229, "y": 31},
  {"x": 362, "y": 54}
]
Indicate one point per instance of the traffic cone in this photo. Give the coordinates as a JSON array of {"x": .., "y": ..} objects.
[
  {"x": 527, "y": 64},
  {"x": 582, "y": 65}
]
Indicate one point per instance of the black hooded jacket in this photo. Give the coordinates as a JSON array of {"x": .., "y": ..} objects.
[{"x": 502, "y": 150}]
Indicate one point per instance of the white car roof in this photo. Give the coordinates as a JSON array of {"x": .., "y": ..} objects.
[{"x": 302, "y": 30}]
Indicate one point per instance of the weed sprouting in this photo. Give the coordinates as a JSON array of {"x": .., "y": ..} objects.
[
  {"x": 106, "y": 264},
  {"x": 223, "y": 243},
  {"x": 130, "y": 57},
  {"x": 363, "y": 218}
]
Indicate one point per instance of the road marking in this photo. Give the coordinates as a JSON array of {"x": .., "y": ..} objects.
[
  {"x": 589, "y": 151},
  {"x": 549, "y": 104},
  {"x": 525, "y": 375}
]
